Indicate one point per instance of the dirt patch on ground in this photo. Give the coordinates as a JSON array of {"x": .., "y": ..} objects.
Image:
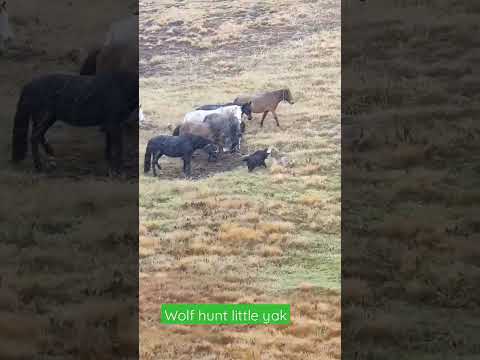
[
  {"x": 226, "y": 32},
  {"x": 201, "y": 167}
]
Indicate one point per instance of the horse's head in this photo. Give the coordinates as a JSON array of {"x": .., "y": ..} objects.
[
  {"x": 3, "y": 6},
  {"x": 212, "y": 150},
  {"x": 247, "y": 110},
  {"x": 287, "y": 96}
]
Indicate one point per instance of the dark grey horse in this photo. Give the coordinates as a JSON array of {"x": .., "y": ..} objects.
[
  {"x": 106, "y": 100},
  {"x": 177, "y": 146},
  {"x": 229, "y": 129},
  {"x": 222, "y": 129}
]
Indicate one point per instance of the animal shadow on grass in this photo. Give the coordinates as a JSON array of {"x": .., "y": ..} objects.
[
  {"x": 201, "y": 167},
  {"x": 80, "y": 155}
]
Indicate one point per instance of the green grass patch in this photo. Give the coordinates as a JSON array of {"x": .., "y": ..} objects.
[{"x": 318, "y": 265}]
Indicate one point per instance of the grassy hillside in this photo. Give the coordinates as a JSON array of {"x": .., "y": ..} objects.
[
  {"x": 231, "y": 236},
  {"x": 411, "y": 181}
]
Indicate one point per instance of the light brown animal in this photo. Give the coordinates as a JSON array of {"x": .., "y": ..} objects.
[
  {"x": 117, "y": 58},
  {"x": 119, "y": 52},
  {"x": 222, "y": 129},
  {"x": 266, "y": 102},
  {"x": 199, "y": 129}
]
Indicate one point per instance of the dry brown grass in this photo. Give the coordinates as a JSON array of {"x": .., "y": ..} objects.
[{"x": 410, "y": 180}]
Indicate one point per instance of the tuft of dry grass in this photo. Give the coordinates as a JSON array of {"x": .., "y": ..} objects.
[
  {"x": 239, "y": 234},
  {"x": 409, "y": 166}
]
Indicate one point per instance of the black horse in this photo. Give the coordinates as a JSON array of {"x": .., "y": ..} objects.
[
  {"x": 106, "y": 100},
  {"x": 246, "y": 108},
  {"x": 177, "y": 146}
]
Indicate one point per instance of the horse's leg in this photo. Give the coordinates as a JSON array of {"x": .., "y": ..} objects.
[
  {"x": 116, "y": 141},
  {"x": 263, "y": 118},
  {"x": 187, "y": 168},
  {"x": 34, "y": 140},
  {"x": 155, "y": 163},
  {"x": 47, "y": 147},
  {"x": 40, "y": 124},
  {"x": 276, "y": 118},
  {"x": 119, "y": 154},
  {"x": 47, "y": 122},
  {"x": 108, "y": 147}
]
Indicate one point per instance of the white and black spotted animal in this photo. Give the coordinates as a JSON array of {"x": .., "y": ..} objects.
[{"x": 223, "y": 129}]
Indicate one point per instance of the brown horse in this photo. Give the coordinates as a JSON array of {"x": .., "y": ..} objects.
[
  {"x": 200, "y": 129},
  {"x": 110, "y": 58},
  {"x": 113, "y": 58},
  {"x": 266, "y": 102}
]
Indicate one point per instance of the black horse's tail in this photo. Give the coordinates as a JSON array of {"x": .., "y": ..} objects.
[
  {"x": 89, "y": 66},
  {"x": 20, "y": 129},
  {"x": 148, "y": 158},
  {"x": 176, "y": 131}
]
